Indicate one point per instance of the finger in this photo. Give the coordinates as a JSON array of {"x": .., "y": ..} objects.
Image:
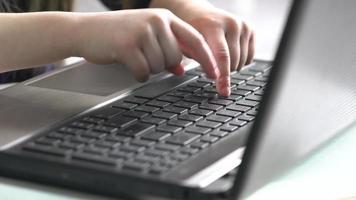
[
  {"x": 138, "y": 65},
  {"x": 170, "y": 48},
  {"x": 218, "y": 44},
  {"x": 233, "y": 41},
  {"x": 153, "y": 53},
  {"x": 177, "y": 70},
  {"x": 194, "y": 45},
  {"x": 251, "y": 48},
  {"x": 244, "y": 40}
]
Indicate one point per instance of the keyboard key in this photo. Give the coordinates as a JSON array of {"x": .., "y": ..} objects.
[
  {"x": 184, "y": 104},
  {"x": 81, "y": 140},
  {"x": 199, "y": 84},
  {"x": 201, "y": 112},
  {"x": 136, "y": 129},
  {"x": 188, "y": 150},
  {"x": 212, "y": 107},
  {"x": 205, "y": 80},
  {"x": 81, "y": 125},
  {"x": 117, "y": 138},
  {"x": 153, "y": 120},
  {"x": 259, "y": 92},
  {"x": 240, "y": 92},
  {"x": 131, "y": 148},
  {"x": 221, "y": 102},
  {"x": 47, "y": 141},
  {"x": 180, "y": 123},
  {"x": 70, "y": 145},
  {"x": 156, "y": 136},
  {"x": 107, "y": 112},
  {"x": 256, "y": 83},
  {"x": 252, "y": 112},
  {"x": 237, "y": 81},
  {"x": 167, "y": 147},
  {"x": 105, "y": 129},
  {"x": 189, "y": 89},
  {"x": 144, "y": 143},
  {"x": 199, "y": 145},
  {"x": 134, "y": 166},
  {"x": 198, "y": 130},
  {"x": 195, "y": 99},
  {"x": 106, "y": 144},
  {"x": 174, "y": 109},
  {"x": 189, "y": 117},
  {"x": 168, "y": 128},
  {"x": 159, "y": 104},
  {"x": 219, "y": 133},
  {"x": 247, "y": 103},
  {"x": 238, "y": 108},
  {"x": 233, "y": 97},
  {"x": 229, "y": 113},
  {"x": 170, "y": 99},
  {"x": 250, "y": 73},
  {"x": 182, "y": 138},
  {"x": 92, "y": 120},
  {"x": 164, "y": 115},
  {"x": 208, "y": 124},
  {"x": 156, "y": 153},
  {"x": 209, "y": 139},
  {"x": 241, "y": 77},
  {"x": 93, "y": 134},
  {"x": 247, "y": 87},
  {"x": 135, "y": 114},
  {"x": 254, "y": 98},
  {"x": 237, "y": 122},
  {"x": 259, "y": 67},
  {"x": 120, "y": 121},
  {"x": 261, "y": 78},
  {"x": 246, "y": 118},
  {"x": 71, "y": 131},
  {"x": 124, "y": 105},
  {"x": 148, "y": 109},
  {"x": 94, "y": 159},
  {"x": 180, "y": 94},
  {"x": 135, "y": 100},
  {"x": 228, "y": 128},
  {"x": 218, "y": 118},
  {"x": 121, "y": 155},
  {"x": 93, "y": 151}
]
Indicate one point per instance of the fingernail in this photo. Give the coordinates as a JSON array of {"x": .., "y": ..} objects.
[{"x": 223, "y": 86}]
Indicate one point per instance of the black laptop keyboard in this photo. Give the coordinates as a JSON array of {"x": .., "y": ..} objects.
[{"x": 149, "y": 135}]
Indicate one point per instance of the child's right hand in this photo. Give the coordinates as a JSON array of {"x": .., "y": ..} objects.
[{"x": 146, "y": 41}]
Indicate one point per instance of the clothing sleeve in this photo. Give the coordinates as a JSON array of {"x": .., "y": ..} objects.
[{"x": 125, "y": 4}]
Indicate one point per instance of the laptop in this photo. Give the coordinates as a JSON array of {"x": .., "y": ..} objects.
[{"x": 174, "y": 137}]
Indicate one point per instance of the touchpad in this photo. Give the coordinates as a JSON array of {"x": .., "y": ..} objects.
[{"x": 102, "y": 80}]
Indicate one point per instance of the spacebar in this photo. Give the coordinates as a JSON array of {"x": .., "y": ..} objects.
[{"x": 154, "y": 89}]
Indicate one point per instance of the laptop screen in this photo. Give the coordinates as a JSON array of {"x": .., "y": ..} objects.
[{"x": 311, "y": 95}]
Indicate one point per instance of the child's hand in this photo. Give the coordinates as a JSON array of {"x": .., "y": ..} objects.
[
  {"x": 146, "y": 40},
  {"x": 230, "y": 39}
]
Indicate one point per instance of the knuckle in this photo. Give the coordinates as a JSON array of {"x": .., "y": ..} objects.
[{"x": 222, "y": 55}]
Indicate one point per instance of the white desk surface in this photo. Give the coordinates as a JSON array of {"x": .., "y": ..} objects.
[{"x": 328, "y": 174}]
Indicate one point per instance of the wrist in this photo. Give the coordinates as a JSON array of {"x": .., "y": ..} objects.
[{"x": 184, "y": 9}]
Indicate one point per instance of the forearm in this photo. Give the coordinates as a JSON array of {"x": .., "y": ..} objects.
[{"x": 30, "y": 39}]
